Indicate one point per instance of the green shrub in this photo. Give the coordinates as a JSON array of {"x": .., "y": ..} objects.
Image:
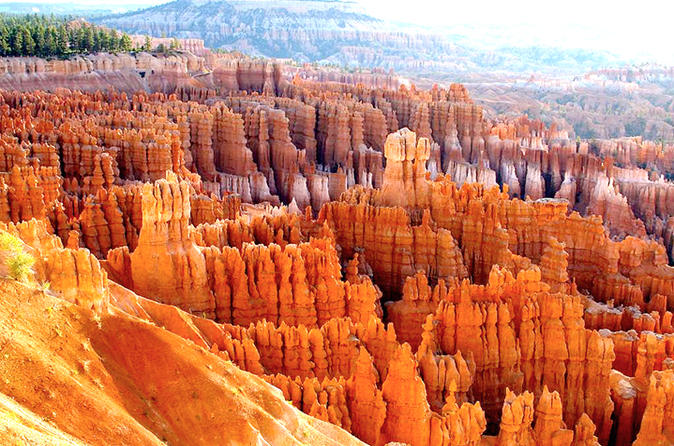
[
  {"x": 9, "y": 242},
  {"x": 18, "y": 263},
  {"x": 19, "y": 266}
]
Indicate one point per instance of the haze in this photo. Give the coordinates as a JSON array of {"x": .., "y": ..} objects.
[{"x": 640, "y": 31}]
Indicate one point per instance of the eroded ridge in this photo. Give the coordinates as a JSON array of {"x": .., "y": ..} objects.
[{"x": 256, "y": 255}]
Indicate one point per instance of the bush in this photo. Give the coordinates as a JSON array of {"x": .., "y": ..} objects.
[
  {"x": 11, "y": 243},
  {"x": 19, "y": 265}
]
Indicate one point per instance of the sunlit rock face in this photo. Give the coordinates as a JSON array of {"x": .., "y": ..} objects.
[{"x": 339, "y": 261}]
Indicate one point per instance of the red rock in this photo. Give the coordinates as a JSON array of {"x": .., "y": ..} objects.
[
  {"x": 77, "y": 276},
  {"x": 408, "y": 417},
  {"x": 365, "y": 401},
  {"x": 656, "y": 419},
  {"x": 166, "y": 264},
  {"x": 404, "y": 178},
  {"x": 492, "y": 292},
  {"x": 550, "y": 428},
  {"x": 518, "y": 414}
]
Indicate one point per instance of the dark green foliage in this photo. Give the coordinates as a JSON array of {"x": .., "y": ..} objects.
[
  {"x": 125, "y": 43},
  {"x": 147, "y": 46},
  {"x": 51, "y": 36}
]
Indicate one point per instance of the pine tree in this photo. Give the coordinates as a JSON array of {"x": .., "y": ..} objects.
[
  {"x": 49, "y": 48},
  {"x": 125, "y": 43},
  {"x": 87, "y": 39},
  {"x": 37, "y": 33},
  {"x": 74, "y": 39},
  {"x": 96, "y": 42},
  {"x": 48, "y": 36},
  {"x": 28, "y": 42},
  {"x": 62, "y": 40},
  {"x": 113, "y": 41},
  {"x": 147, "y": 46},
  {"x": 5, "y": 49},
  {"x": 102, "y": 40},
  {"x": 17, "y": 43}
]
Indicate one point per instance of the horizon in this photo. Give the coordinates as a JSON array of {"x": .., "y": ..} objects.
[{"x": 632, "y": 33}]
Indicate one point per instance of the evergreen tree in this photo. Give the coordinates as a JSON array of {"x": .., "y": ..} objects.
[
  {"x": 17, "y": 42},
  {"x": 49, "y": 36},
  {"x": 49, "y": 42},
  {"x": 113, "y": 41},
  {"x": 74, "y": 40},
  {"x": 87, "y": 39},
  {"x": 147, "y": 46},
  {"x": 5, "y": 49},
  {"x": 62, "y": 40},
  {"x": 96, "y": 41},
  {"x": 125, "y": 43},
  {"x": 37, "y": 33},
  {"x": 28, "y": 42},
  {"x": 103, "y": 43}
]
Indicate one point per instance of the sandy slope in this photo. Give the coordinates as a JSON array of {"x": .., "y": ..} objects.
[{"x": 67, "y": 376}]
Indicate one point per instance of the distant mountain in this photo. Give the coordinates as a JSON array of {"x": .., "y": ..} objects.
[
  {"x": 338, "y": 32},
  {"x": 302, "y": 30},
  {"x": 65, "y": 8}
]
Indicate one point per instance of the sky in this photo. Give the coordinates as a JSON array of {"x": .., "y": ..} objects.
[
  {"x": 635, "y": 28},
  {"x": 631, "y": 28}
]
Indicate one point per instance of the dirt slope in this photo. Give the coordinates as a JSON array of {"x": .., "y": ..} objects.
[{"x": 67, "y": 376}]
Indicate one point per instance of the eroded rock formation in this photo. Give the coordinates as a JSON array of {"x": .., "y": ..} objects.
[{"x": 471, "y": 282}]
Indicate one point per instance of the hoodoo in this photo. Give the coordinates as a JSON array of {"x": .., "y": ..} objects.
[{"x": 198, "y": 247}]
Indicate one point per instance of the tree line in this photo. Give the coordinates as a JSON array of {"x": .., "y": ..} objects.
[{"x": 50, "y": 36}]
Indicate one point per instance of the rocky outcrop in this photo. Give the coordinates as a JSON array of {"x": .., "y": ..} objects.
[
  {"x": 76, "y": 349},
  {"x": 392, "y": 246},
  {"x": 404, "y": 178},
  {"x": 166, "y": 264},
  {"x": 656, "y": 418},
  {"x": 78, "y": 277},
  {"x": 519, "y": 343},
  {"x": 365, "y": 400},
  {"x": 235, "y": 280},
  {"x": 435, "y": 300}
]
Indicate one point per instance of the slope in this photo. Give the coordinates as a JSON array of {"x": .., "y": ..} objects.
[{"x": 114, "y": 379}]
